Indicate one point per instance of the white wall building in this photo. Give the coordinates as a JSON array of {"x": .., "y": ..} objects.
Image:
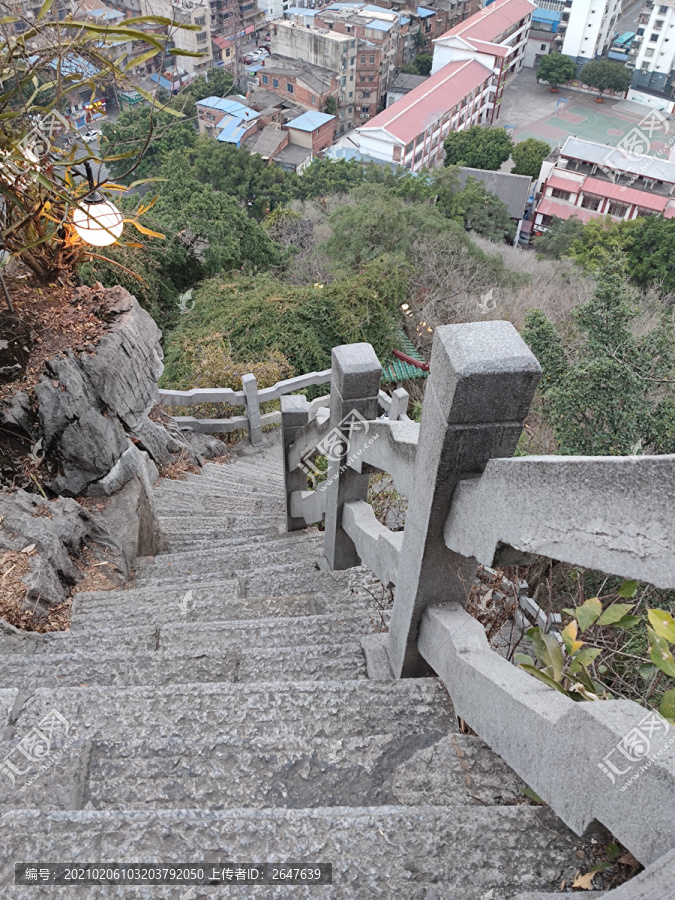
[
  {"x": 496, "y": 37},
  {"x": 653, "y": 53},
  {"x": 587, "y": 28}
]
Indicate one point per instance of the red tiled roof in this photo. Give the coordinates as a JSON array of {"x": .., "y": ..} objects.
[
  {"x": 487, "y": 47},
  {"x": 564, "y": 184},
  {"x": 670, "y": 210},
  {"x": 625, "y": 194},
  {"x": 426, "y": 103},
  {"x": 563, "y": 210},
  {"x": 221, "y": 42},
  {"x": 491, "y": 21}
]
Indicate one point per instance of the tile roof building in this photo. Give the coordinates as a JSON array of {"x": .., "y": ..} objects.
[
  {"x": 496, "y": 36},
  {"x": 411, "y": 131},
  {"x": 590, "y": 180}
]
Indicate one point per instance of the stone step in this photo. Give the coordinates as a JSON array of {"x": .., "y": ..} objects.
[
  {"x": 213, "y": 635},
  {"x": 218, "y": 772},
  {"x": 152, "y": 607},
  {"x": 203, "y": 486},
  {"x": 301, "y": 574},
  {"x": 199, "y": 503},
  {"x": 180, "y": 665},
  {"x": 416, "y": 852},
  {"x": 236, "y": 475},
  {"x": 245, "y": 555},
  {"x": 235, "y": 525},
  {"x": 205, "y": 540},
  {"x": 330, "y": 710}
]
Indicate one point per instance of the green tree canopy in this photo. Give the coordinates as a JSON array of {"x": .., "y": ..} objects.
[
  {"x": 478, "y": 147},
  {"x": 478, "y": 210},
  {"x": 261, "y": 317},
  {"x": 605, "y": 75},
  {"x": 130, "y": 132},
  {"x": 612, "y": 386},
  {"x": 556, "y": 69},
  {"x": 559, "y": 237},
  {"x": 421, "y": 65},
  {"x": 216, "y": 83},
  {"x": 528, "y": 155}
]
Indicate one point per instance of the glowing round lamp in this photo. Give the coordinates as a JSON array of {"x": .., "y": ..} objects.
[{"x": 98, "y": 222}]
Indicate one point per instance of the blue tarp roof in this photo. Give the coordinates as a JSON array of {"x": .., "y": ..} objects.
[
  {"x": 546, "y": 15},
  {"x": 310, "y": 120},
  {"x": 423, "y": 12},
  {"x": 233, "y": 107},
  {"x": 233, "y": 131},
  {"x": 104, "y": 13},
  {"x": 405, "y": 20},
  {"x": 380, "y": 25},
  {"x": 75, "y": 65},
  {"x": 161, "y": 81}
]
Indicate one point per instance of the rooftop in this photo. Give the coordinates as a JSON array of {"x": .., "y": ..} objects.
[
  {"x": 293, "y": 154},
  {"x": 513, "y": 190},
  {"x": 310, "y": 121},
  {"x": 490, "y": 22},
  {"x": 316, "y": 78},
  {"x": 404, "y": 83},
  {"x": 266, "y": 142},
  {"x": 227, "y": 105},
  {"x": 413, "y": 113},
  {"x": 588, "y": 154}
]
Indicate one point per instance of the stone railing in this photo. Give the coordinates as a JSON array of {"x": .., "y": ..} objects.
[
  {"x": 470, "y": 502},
  {"x": 250, "y": 397}
]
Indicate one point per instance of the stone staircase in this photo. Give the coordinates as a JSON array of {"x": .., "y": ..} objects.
[{"x": 221, "y": 710}]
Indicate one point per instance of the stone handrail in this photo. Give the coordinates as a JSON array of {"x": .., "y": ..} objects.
[
  {"x": 470, "y": 501},
  {"x": 249, "y": 396}
]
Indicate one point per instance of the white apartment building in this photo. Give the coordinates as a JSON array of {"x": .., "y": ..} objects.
[
  {"x": 496, "y": 37},
  {"x": 653, "y": 54},
  {"x": 587, "y": 28}
]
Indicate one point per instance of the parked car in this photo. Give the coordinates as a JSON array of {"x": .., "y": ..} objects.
[
  {"x": 90, "y": 136},
  {"x": 248, "y": 58},
  {"x": 267, "y": 47}
]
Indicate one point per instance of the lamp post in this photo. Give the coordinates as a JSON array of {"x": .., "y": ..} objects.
[{"x": 97, "y": 221}]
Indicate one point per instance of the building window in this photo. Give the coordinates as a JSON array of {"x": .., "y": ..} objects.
[
  {"x": 371, "y": 59},
  {"x": 289, "y": 88},
  {"x": 590, "y": 202},
  {"x": 654, "y": 37},
  {"x": 542, "y": 46},
  {"x": 313, "y": 101},
  {"x": 409, "y": 148},
  {"x": 350, "y": 110},
  {"x": 366, "y": 94},
  {"x": 561, "y": 195},
  {"x": 363, "y": 59},
  {"x": 265, "y": 79},
  {"x": 366, "y": 110},
  {"x": 275, "y": 82},
  {"x": 201, "y": 37},
  {"x": 617, "y": 209},
  {"x": 352, "y": 61},
  {"x": 371, "y": 78},
  {"x": 649, "y": 51},
  {"x": 201, "y": 21},
  {"x": 351, "y": 93}
]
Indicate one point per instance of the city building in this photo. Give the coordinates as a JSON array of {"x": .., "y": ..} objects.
[
  {"x": 588, "y": 180},
  {"x": 276, "y": 133},
  {"x": 587, "y": 28},
  {"x": 402, "y": 85},
  {"x": 411, "y": 131},
  {"x": 543, "y": 32},
  {"x": 513, "y": 190},
  {"x": 299, "y": 81},
  {"x": 495, "y": 37},
  {"x": 653, "y": 54}
]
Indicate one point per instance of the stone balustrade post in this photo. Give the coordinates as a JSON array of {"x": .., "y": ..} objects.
[
  {"x": 294, "y": 414},
  {"x": 399, "y": 404},
  {"x": 355, "y": 383},
  {"x": 249, "y": 384},
  {"x": 483, "y": 377}
]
